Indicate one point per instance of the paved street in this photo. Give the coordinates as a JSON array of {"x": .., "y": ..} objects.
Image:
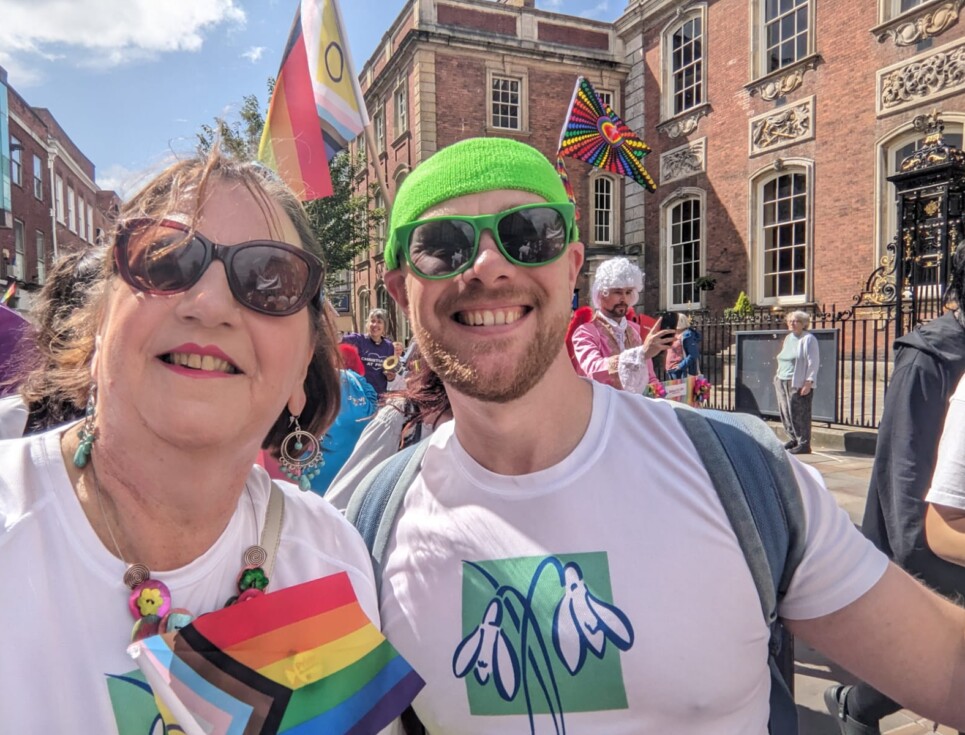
[{"x": 846, "y": 476}]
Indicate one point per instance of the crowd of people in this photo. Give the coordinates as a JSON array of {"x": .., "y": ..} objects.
[{"x": 557, "y": 559}]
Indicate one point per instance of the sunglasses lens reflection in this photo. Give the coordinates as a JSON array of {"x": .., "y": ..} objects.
[
  {"x": 533, "y": 236},
  {"x": 441, "y": 247}
]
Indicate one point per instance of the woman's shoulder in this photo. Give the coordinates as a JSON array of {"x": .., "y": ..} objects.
[{"x": 25, "y": 479}]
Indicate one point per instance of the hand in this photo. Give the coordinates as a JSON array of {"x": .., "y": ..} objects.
[
  {"x": 806, "y": 388},
  {"x": 657, "y": 341}
]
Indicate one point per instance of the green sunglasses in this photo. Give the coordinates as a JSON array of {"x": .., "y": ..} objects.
[{"x": 530, "y": 235}]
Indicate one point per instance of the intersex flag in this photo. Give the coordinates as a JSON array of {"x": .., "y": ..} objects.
[
  {"x": 316, "y": 108},
  {"x": 594, "y": 133},
  {"x": 302, "y": 660}
]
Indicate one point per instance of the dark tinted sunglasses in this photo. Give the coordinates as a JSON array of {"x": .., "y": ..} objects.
[
  {"x": 530, "y": 235},
  {"x": 167, "y": 257}
]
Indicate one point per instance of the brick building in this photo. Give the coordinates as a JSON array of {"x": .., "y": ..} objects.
[
  {"x": 50, "y": 203},
  {"x": 453, "y": 69},
  {"x": 775, "y": 124}
]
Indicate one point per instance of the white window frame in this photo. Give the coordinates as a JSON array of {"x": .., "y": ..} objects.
[
  {"x": 667, "y": 207},
  {"x": 757, "y": 183},
  {"x": 606, "y": 97},
  {"x": 886, "y": 147},
  {"x": 379, "y": 126},
  {"x": 400, "y": 101},
  {"x": 19, "y": 249},
  {"x": 891, "y": 9},
  {"x": 760, "y": 43},
  {"x": 81, "y": 217},
  {"x": 41, "y": 248},
  {"x": 493, "y": 107},
  {"x": 59, "y": 197},
  {"x": 38, "y": 177},
  {"x": 668, "y": 88},
  {"x": 603, "y": 224},
  {"x": 90, "y": 223},
  {"x": 16, "y": 161},
  {"x": 71, "y": 210}
]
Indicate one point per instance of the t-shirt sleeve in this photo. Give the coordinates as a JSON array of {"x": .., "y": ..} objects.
[
  {"x": 948, "y": 482},
  {"x": 839, "y": 564}
]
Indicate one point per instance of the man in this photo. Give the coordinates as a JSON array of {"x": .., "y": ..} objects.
[
  {"x": 540, "y": 576},
  {"x": 929, "y": 362},
  {"x": 609, "y": 348},
  {"x": 374, "y": 348}
]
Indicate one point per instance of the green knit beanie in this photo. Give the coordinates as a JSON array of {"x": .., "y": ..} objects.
[{"x": 469, "y": 167}]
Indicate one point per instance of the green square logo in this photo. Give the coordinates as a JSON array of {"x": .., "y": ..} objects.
[{"x": 541, "y": 635}]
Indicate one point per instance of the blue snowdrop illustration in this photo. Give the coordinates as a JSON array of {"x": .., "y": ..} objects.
[{"x": 510, "y": 648}]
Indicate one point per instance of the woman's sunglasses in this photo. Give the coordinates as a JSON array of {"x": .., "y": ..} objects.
[
  {"x": 167, "y": 257},
  {"x": 530, "y": 235}
]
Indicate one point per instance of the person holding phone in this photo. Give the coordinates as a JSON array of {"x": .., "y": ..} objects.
[
  {"x": 683, "y": 357},
  {"x": 797, "y": 369},
  {"x": 609, "y": 348}
]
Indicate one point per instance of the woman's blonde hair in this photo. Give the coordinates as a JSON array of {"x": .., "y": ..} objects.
[
  {"x": 801, "y": 316},
  {"x": 186, "y": 184}
]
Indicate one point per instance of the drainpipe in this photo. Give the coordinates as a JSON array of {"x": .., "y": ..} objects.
[{"x": 51, "y": 157}]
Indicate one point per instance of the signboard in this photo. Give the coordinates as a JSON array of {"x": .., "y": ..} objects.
[
  {"x": 757, "y": 365},
  {"x": 340, "y": 301}
]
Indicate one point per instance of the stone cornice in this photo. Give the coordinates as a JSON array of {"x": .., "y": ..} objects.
[
  {"x": 926, "y": 21},
  {"x": 783, "y": 81},
  {"x": 684, "y": 123}
]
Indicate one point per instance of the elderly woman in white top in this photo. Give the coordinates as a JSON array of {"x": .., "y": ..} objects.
[{"x": 797, "y": 369}]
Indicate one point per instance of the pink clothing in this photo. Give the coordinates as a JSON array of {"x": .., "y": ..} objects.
[{"x": 597, "y": 352}]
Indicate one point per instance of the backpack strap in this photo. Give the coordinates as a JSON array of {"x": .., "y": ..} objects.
[
  {"x": 763, "y": 504},
  {"x": 376, "y": 501}
]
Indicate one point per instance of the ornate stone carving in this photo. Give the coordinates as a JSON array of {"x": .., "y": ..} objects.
[
  {"x": 684, "y": 161},
  {"x": 936, "y": 75},
  {"x": 684, "y": 124},
  {"x": 782, "y": 127},
  {"x": 931, "y": 22},
  {"x": 778, "y": 84}
]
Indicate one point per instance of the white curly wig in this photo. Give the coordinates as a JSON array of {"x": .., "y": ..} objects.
[{"x": 616, "y": 273}]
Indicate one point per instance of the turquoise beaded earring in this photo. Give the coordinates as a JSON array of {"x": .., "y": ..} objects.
[
  {"x": 87, "y": 432},
  {"x": 301, "y": 456}
]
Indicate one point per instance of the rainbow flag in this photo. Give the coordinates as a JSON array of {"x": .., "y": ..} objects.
[
  {"x": 315, "y": 109},
  {"x": 594, "y": 133},
  {"x": 302, "y": 660},
  {"x": 8, "y": 294}
]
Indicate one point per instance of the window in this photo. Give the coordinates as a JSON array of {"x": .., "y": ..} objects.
[
  {"x": 71, "y": 210},
  {"x": 605, "y": 97},
  {"x": 786, "y": 38},
  {"x": 401, "y": 101},
  {"x": 505, "y": 102},
  {"x": 41, "y": 258},
  {"x": 603, "y": 210},
  {"x": 687, "y": 65},
  {"x": 90, "y": 223},
  {"x": 889, "y": 9},
  {"x": 38, "y": 178},
  {"x": 18, "y": 250},
  {"x": 59, "y": 196},
  {"x": 784, "y": 236},
  {"x": 16, "y": 161},
  {"x": 684, "y": 237},
  {"x": 380, "y": 130},
  {"x": 81, "y": 217},
  {"x": 380, "y": 223}
]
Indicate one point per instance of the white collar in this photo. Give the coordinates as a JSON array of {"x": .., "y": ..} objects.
[{"x": 621, "y": 325}]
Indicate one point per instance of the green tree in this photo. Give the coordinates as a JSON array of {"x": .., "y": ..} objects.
[{"x": 343, "y": 221}]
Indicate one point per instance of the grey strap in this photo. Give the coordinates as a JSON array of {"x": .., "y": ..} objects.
[{"x": 271, "y": 533}]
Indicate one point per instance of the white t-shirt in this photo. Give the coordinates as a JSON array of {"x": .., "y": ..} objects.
[
  {"x": 609, "y": 587},
  {"x": 948, "y": 482},
  {"x": 63, "y": 605}
]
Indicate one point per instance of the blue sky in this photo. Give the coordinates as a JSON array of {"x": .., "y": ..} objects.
[{"x": 131, "y": 81}]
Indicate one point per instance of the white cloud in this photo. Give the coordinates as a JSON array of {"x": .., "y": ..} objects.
[
  {"x": 106, "y": 32},
  {"x": 254, "y": 54},
  {"x": 125, "y": 181},
  {"x": 551, "y": 5},
  {"x": 597, "y": 11}
]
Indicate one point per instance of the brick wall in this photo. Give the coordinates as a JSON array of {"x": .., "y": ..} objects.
[
  {"x": 476, "y": 20},
  {"x": 572, "y": 36}
]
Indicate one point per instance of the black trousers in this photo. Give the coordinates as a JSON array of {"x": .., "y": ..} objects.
[{"x": 795, "y": 411}]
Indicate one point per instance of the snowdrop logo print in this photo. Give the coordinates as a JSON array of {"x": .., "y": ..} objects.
[{"x": 541, "y": 635}]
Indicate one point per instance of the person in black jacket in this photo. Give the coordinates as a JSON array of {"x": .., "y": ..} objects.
[{"x": 928, "y": 364}]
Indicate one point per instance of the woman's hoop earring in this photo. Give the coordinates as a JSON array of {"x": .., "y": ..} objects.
[
  {"x": 301, "y": 456},
  {"x": 87, "y": 432}
]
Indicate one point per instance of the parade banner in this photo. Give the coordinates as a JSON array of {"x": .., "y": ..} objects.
[{"x": 694, "y": 390}]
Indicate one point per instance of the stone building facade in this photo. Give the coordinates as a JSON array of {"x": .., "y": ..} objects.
[
  {"x": 447, "y": 70},
  {"x": 53, "y": 204},
  {"x": 776, "y": 124}
]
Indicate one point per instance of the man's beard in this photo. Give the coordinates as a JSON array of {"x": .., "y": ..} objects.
[
  {"x": 617, "y": 312},
  {"x": 507, "y": 382}
]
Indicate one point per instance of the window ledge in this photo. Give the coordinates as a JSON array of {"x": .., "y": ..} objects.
[
  {"x": 686, "y": 122},
  {"x": 784, "y": 81},
  {"x": 492, "y": 130},
  {"x": 926, "y": 21},
  {"x": 401, "y": 138}
]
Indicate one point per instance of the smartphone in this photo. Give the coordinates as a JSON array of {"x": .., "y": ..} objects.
[{"x": 668, "y": 320}]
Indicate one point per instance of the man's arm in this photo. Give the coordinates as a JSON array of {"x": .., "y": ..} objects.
[
  {"x": 904, "y": 640},
  {"x": 589, "y": 355}
]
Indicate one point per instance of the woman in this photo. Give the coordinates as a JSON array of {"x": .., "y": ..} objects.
[
  {"x": 683, "y": 356},
  {"x": 797, "y": 369},
  {"x": 374, "y": 347},
  {"x": 187, "y": 367}
]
